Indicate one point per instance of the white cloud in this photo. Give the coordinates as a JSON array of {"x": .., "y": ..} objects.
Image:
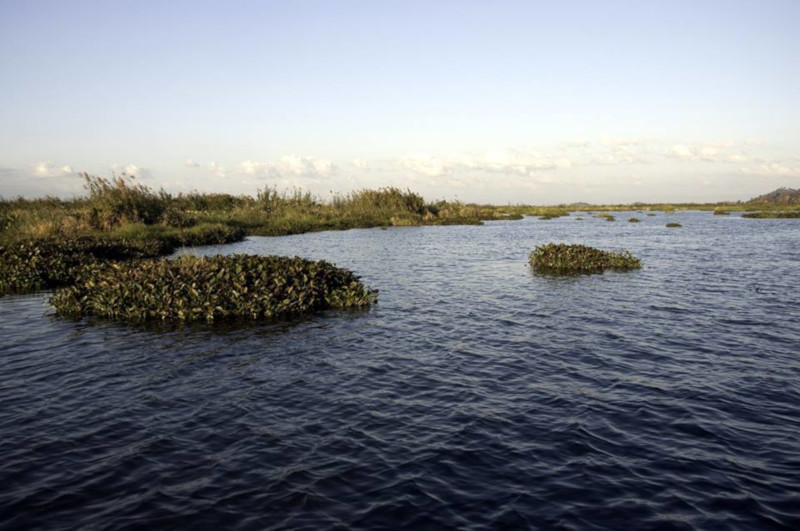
[
  {"x": 577, "y": 143},
  {"x": 625, "y": 141},
  {"x": 289, "y": 166},
  {"x": 49, "y": 169},
  {"x": 425, "y": 165},
  {"x": 360, "y": 164},
  {"x": 192, "y": 163},
  {"x": 680, "y": 151},
  {"x": 130, "y": 170},
  {"x": 709, "y": 152},
  {"x": 509, "y": 162},
  {"x": 217, "y": 170},
  {"x": 772, "y": 169}
]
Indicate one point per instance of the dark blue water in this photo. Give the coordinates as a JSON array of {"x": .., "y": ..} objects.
[{"x": 475, "y": 395}]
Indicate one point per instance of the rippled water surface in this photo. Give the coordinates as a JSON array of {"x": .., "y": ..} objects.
[{"x": 474, "y": 395}]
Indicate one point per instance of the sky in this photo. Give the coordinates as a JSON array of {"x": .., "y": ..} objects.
[{"x": 536, "y": 102}]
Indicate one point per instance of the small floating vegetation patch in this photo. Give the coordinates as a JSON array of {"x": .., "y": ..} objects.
[
  {"x": 607, "y": 217},
  {"x": 564, "y": 259},
  {"x": 673, "y": 225},
  {"x": 651, "y": 214},
  {"x": 634, "y": 220},
  {"x": 720, "y": 212},
  {"x": 772, "y": 215},
  {"x": 211, "y": 288}
]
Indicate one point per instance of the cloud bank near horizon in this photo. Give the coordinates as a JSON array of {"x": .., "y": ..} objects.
[{"x": 601, "y": 171}]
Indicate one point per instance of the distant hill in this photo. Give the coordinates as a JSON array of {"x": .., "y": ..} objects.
[{"x": 781, "y": 196}]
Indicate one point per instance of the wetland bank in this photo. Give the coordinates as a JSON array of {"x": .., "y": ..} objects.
[{"x": 476, "y": 393}]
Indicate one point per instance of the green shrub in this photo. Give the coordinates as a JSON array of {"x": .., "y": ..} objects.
[
  {"x": 560, "y": 258},
  {"x": 211, "y": 288}
]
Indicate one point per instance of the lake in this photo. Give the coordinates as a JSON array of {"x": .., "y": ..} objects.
[{"x": 474, "y": 395}]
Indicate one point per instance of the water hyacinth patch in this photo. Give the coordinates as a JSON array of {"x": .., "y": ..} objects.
[
  {"x": 634, "y": 220},
  {"x": 211, "y": 288},
  {"x": 561, "y": 258},
  {"x": 31, "y": 265},
  {"x": 674, "y": 225}
]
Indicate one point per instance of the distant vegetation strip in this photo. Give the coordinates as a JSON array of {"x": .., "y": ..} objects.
[
  {"x": 564, "y": 259},
  {"x": 772, "y": 214}
]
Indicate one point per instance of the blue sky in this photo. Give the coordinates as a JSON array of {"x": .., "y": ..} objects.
[{"x": 536, "y": 102}]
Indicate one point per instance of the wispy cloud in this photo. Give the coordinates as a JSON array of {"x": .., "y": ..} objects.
[
  {"x": 772, "y": 169},
  {"x": 131, "y": 169},
  {"x": 192, "y": 163},
  {"x": 217, "y": 170},
  {"x": 361, "y": 164},
  {"x": 50, "y": 169},
  {"x": 725, "y": 152},
  {"x": 289, "y": 166}
]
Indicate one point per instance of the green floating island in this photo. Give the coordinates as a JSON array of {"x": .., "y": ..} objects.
[
  {"x": 634, "y": 220},
  {"x": 607, "y": 217},
  {"x": 564, "y": 259},
  {"x": 671, "y": 225},
  {"x": 210, "y": 289}
]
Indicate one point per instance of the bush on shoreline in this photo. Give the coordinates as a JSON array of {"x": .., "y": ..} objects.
[
  {"x": 560, "y": 258},
  {"x": 210, "y": 289}
]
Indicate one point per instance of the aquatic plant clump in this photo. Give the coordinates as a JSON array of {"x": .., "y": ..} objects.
[
  {"x": 634, "y": 220},
  {"x": 211, "y": 288},
  {"x": 31, "y": 265},
  {"x": 560, "y": 258},
  {"x": 674, "y": 225}
]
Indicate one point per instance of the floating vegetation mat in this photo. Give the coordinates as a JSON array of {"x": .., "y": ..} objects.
[
  {"x": 210, "y": 288},
  {"x": 634, "y": 220},
  {"x": 560, "y": 258},
  {"x": 607, "y": 217},
  {"x": 674, "y": 225},
  {"x": 32, "y": 265}
]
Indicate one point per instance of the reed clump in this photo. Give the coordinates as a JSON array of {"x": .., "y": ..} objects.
[
  {"x": 565, "y": 259},
  {"x": 210, "y": 289}
]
